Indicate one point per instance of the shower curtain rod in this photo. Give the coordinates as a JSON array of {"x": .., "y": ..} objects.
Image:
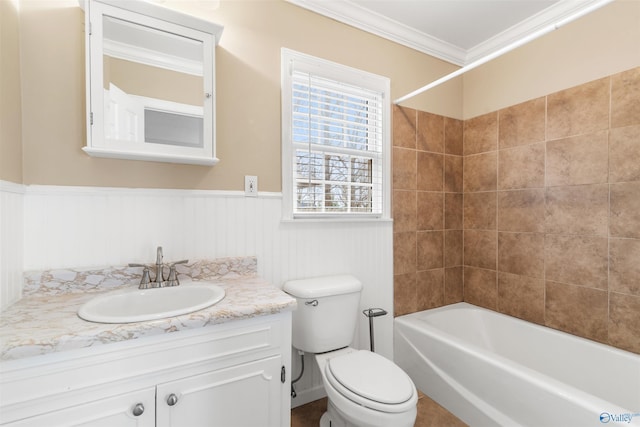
[{"x": 552, "y": 27}]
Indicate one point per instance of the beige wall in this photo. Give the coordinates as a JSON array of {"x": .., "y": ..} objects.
[
  {"x": 248, "y": 86},
  {"x": 10, "y": 105},
  {"x": 605, "y": 42}
]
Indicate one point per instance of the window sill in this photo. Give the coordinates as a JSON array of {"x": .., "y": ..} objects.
[{"x": 334, "y": 219}]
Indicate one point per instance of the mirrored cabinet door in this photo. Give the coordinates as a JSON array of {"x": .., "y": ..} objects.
[{"x": 150, "y": 83}]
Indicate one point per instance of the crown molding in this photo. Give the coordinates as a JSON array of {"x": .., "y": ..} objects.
[
  {"x": 374, "y": 23},
  {"x": 352, "y": 14}
]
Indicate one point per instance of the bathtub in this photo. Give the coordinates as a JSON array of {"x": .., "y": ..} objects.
[{"x": 490, "y": 369}]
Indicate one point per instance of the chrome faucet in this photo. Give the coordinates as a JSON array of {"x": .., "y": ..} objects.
[
  {"x": 159, "y": 272},
  {"x": 159, "y": 281}
]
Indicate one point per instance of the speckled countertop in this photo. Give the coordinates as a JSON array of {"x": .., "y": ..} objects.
[{"x": 45, "y": 320}]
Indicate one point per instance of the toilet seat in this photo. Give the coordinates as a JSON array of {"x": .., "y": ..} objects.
[{"x": 371, "y": 381}]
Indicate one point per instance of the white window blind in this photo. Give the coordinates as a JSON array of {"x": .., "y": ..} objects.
[{"x": 336, "y": 146}]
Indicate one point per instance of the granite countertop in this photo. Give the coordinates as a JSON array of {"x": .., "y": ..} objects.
[{"x": 45, "y": 320}]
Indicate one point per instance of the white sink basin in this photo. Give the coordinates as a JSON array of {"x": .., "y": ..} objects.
[{"x": 137, "y": 305}]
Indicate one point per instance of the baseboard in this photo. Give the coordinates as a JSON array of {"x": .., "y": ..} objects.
[{"x": 306, "y": 396}]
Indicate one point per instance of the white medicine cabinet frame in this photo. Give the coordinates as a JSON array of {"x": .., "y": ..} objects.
[{"x": 150, "y": 82}]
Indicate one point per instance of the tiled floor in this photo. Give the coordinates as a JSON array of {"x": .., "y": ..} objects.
[{"x": 430, "y": 414}]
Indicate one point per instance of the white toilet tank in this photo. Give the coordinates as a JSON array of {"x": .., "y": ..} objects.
[{"x": 327, "y": 312}]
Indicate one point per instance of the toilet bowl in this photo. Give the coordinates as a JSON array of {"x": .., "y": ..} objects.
[{"x": 366, "y": 390}]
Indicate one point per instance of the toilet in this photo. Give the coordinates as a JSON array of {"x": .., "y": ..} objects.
[{"x": 363, "y": 388}]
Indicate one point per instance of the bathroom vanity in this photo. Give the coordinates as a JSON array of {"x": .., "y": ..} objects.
[{"x": 226, "y": 365}]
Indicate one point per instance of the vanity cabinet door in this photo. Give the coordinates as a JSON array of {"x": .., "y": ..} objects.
[
  {"x": 246, "y": 395},
  {"x": 135, "y": 409}
]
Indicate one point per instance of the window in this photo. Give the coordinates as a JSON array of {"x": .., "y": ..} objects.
[{"x": 335, "y": 140}]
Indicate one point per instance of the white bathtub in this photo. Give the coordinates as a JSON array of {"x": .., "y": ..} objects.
[{"x": 491, "y": 369}]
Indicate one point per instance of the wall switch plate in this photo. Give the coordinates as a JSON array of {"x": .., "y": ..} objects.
[{"x": 251, "y": 186}]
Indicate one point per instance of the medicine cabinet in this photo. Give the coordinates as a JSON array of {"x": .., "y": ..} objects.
[{"x": 150, "y": 75}]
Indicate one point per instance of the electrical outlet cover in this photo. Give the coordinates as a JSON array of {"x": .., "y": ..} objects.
[{"x": 251, "y": 186}]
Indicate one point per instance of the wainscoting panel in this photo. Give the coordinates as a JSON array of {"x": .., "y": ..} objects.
[
  {"x": 11, "y": 240},
  {"x": 92, "y": 227}
]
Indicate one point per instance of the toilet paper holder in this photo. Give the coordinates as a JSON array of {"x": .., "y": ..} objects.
[{"x": 371, "y": 313}]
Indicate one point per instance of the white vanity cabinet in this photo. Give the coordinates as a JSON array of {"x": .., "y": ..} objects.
[
  {"x": 217, "y": 398},
  {"x": 230, "y": 375},
  {"x": 109, "y": 412}
]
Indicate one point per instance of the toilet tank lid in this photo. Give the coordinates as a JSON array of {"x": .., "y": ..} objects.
[{"x": 323, "y": 286}]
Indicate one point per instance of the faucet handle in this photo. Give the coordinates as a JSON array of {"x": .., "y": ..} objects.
[
  {"x": 145, "y": 280},
  {"x": 172, "y": 280}
]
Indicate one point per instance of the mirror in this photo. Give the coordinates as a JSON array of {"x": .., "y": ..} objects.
[{"x": 150, "y": 90}]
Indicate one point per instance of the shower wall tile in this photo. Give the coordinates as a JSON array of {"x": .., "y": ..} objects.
[
  {"x": 404, "y": 293},
  {"x": 404, "y": 169},
  {"x": 568, "y": 211},
  {"x": 578, "y": 110},
  {"x": 480, "y": 248},
  {"x": 453, "y": 136},
  {"x": 404, "y": 127},
  {"x": 430, "y": 250},
  {"x": 580, "y": 209},
  {"x": 481, "y": 134},
  {"x": 522, "y": 124},
  {"x": 624, "y": 152},
  {"x": 625, "y": 210},
  {"x": 404, "y": 210},
  {"x": 430, "y": 135},
  {"x": 521, "y": 210},
  {"x": 452, "y": 248},
  {"x": 578, "y": 160},
  {"x": 427, "y": 210},
  {"x": 453, "y": 203},
  {"x": 521, "y": 253},
  {"x": 480, "y": 172},
  {"x": 625, "y": 98},
  {"x": 480, "y": 210},
  {"x": 453, "y": 285},
  {"x": 404, "y": 252},
  {"x": 430, "y": 288},
  {"x": 453, "y": 174},
  {"x": 481, "y": 287},
  {"x": 532, "y": 210},
  {"x": 624, "y": 321},
  {"x": 577, "y": 310},
  {"x": 521, "y": 167},
  {"x": 430, "y": 210},
  {"x": 577, "y": 259},
  {"x": 430, "y": 171},
  {"x": 624, "y": 266},
  {"x": 521, "y": 297}
]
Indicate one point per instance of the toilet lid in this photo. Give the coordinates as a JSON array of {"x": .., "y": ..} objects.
[{"x": 371, "y": 376}]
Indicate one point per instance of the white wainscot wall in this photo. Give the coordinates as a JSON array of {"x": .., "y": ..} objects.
[
  {"x": 92, "y": 227},
  {"x": 11, "y": 241}
]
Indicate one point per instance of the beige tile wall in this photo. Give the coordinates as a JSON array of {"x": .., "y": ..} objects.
[
  {"x": 427, "y": 210},
  {"x": 552, "y": 210},
  {"x": 549, "y": 230}
]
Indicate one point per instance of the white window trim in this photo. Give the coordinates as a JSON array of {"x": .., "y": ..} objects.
[{"x": 345, "y": 74}]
